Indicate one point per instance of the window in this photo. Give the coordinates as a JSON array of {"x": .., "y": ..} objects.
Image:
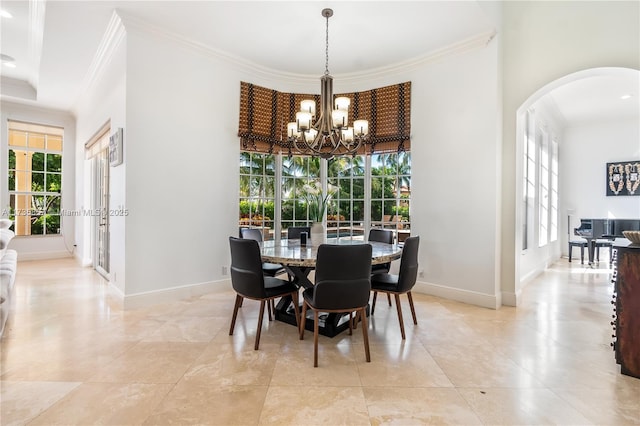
[
  {"x": 543, "y": 188},
  {"x": 540, "y": 182},
  {"x": 529, "y": 181},
  {"x": 257, "y": 192},
  {"x": 370, "y": 191},
  {"x": 345, "y": 215},
  {"x": 553, "y": 213},
  {"x": 35, "y": 178},
  {"x": 296, "y": 172},
  {"x": 391, "y": 192}
]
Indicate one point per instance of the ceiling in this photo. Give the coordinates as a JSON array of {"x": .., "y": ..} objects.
[{"x": 55, "y": 42}]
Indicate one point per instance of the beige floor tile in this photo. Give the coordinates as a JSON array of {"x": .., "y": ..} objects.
[
  {"x": 105, "y": 404},
  {"x": 187, "y": 329},
  {"x": 225, "y": 365},
  {"x": 21, "y": 402},
  {"x": 337, "y": 365},
  {"x": 150, "y": 362},
  {"x": 524, "y": 406},
  {"x": 403, "y": 366},
  {"x": 311, "y": 404},
  {"x": 418, "y": 406},
  {"x": 204, "y": 404},
  {"x": 609, "y": 405},
  {"x": 480, "y": 366}
]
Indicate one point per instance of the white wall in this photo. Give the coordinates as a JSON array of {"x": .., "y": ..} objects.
[
  {"x": 103, "y": 102},
  {"x": 182, "y": 158},
  {"x": 44, "y": 247},
  {"x": 542, "y": 42},
  {"x": 586, "y": 149},
  {"x": 455, "y": 175}
]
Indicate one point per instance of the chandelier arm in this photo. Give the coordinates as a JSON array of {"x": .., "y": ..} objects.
[{"x": 324, "y": 153}]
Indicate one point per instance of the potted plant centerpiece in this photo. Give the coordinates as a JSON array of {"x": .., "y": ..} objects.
[{"x": 317, "y": 201}]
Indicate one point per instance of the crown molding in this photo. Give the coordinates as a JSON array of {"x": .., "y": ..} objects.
[
  {"x": 35, "y": 37},
  {"x": 476, "y": 42},
  {"x": 140, "y": 25},
  {"x": 113, "y": 36}
]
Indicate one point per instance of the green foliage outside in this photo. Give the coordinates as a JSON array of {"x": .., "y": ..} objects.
[{"x": 391, "y": 174}]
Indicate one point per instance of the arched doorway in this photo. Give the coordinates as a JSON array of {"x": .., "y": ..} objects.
[{"x": 593, "y": 94}]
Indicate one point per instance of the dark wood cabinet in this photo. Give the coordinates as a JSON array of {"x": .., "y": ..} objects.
[{"x": 626, "y": 324}]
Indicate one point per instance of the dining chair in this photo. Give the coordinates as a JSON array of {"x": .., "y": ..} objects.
[
  {"x": 293, "y": 232},
  {"x": 269, "y": 269},
  {"x": 249, "y": 282},
  {"x": 382, "y": 236},
  {"x": 342, "y": 285},
  {"x": 401, "y": 283}
]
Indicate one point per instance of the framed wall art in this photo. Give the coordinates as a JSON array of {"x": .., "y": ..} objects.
[
  {"x": 623, "y": 178},
  {"x": 115, "y": 148}
]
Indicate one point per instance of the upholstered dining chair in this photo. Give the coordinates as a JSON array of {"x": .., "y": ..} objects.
[
  {"x": 249, "y": 282},
  {"x": 269, "y": 269},
  {"x": 382, "y": 236},
  {"x": 401, "y": 283},
  {"x": 342, "y": 285},
  {"x": 293, "y": 232}
]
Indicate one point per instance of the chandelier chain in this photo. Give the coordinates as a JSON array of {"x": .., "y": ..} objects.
[{"x": 326, "y": 62}]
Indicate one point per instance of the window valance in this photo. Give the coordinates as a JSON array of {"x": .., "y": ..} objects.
[{"x": 264, "y": 114}]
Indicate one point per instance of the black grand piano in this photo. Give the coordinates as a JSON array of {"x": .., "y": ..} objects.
[{"x": 606, "y": 229}]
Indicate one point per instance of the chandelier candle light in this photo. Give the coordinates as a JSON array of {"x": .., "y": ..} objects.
[{"x": 330, "y": 135}]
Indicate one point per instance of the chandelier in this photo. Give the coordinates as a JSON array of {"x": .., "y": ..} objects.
[{"x": 330, "y": 135}]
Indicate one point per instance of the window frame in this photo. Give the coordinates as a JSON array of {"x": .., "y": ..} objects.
[
  {"x": 293, "y": 172},
  {"x": 49, "y": 207}
]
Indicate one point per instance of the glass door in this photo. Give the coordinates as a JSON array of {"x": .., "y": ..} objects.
[{"x": 101, "y": 207}]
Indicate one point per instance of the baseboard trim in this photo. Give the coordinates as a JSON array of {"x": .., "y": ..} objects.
[
  {"x": 510, "y": 298},
  {"x": 139, "y": 300},
  {"x": 44, "y": 255},
  {"x": 464, "y": 296}
]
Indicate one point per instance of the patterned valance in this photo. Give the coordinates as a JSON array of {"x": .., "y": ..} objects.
[{"x": 264, "y": 114}]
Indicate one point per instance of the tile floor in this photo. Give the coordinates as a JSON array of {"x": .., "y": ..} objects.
[{"x": 72, "y": 356}]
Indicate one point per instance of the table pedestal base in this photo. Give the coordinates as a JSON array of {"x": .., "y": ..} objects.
[{"x": 331, "y": 324}]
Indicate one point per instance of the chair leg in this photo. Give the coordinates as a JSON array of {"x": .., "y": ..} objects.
[
  {"x": 400, "y": 315},
  {"x": 262, "y": 303},
  {"x": 315, "y": 338},
  {"x": 389, "y": 298},
  {"x": 241, "y": 300},
  {"x": 373, "y": 304},
  {"x": 413, "y": 310},
  {"x": 350, "y": 323},
  {"x": 303, "y": 321},
  {"x": 235, "y": 313},
  {"x": 365, "y": 334},
  {"x": 296, "y": 308},
  {"x": 582, "y": 255},
  {"x": 269, "y": 310}
]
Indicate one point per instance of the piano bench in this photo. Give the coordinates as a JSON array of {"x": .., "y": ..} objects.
[
  {"x": 582, "y": 245},
  {"x": 607, "y": 244}
]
